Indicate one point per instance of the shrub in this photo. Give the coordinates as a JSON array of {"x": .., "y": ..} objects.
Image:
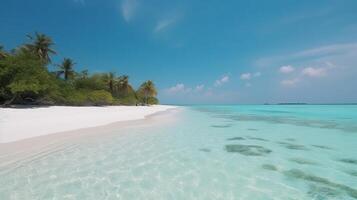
[
  {"x": 100, "y": 97},
  {"x": 128, "y": 100},
  {"x": 153, "y": 101}
]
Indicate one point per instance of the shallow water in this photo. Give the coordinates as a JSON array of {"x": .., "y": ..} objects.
[{"x": 210, "y": 152}]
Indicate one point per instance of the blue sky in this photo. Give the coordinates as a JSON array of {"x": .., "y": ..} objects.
[{"x": 204, "y": 51}]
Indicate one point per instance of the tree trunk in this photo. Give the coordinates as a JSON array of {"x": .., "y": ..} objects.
[{"x": 8, "y": 102}]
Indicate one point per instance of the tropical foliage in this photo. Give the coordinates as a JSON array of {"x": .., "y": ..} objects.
[
  {"x": 147, "y": 91},
  {"x": 25, "y": 78},
  {"x": 66, "y": 69}
]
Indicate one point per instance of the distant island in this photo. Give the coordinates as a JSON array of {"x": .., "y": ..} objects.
[
  {"x": 25, "y": 79},
  {"x": 285, "y": 103},
  {"x": 292, "y": 104}
]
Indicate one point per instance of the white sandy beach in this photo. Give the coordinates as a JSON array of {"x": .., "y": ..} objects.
[{"x": 22, "y": 123}]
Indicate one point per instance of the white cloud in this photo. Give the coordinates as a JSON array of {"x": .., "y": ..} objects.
[
  {"x": 249, "y": 76},
  {"x": 200, "y": 87},
  {"x": 246, "y": 76},
  {"x": 286, "y": 69},
  {"x": 326, "y": 50},
  {"x": 177, "y": 88},
  {"x": 164, "y": 24},
  {"x": 128, "y": 9},
  {"x": 290, "y": 82},
  {"x": 221, "y": 81},
  {"x": 322, "y": 53},
  {"x": 314, "y": 72}
]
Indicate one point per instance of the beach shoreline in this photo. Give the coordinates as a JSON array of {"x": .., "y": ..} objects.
[
  {"x": 18, "y": 124},
  {"x": 27, "y": 149}
]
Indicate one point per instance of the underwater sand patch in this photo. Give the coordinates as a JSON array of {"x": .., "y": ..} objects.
[{"x": 247, "y": 150}]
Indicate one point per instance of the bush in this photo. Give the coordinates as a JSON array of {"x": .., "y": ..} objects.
[
  {"x": 153, "y": 101},
  {"x": 90, "y": 83},
  {"x": 128, "y": 100},
  {"x": 77, "y": 98},
  {"x": 100, "y": 97}
]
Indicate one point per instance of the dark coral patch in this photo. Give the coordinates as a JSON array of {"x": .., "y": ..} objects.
[
  {"x": 349, "y": 161},
  {"x": 257, "y": 138},
  {"x": 247, "y": 150},
  {"x": 205, "y": 150},
  {"x": 302, "y": 161},
  {"x": 252, "y": 129},
  {"x": 322, "y": 147},
  {"x": 320, "y": 192},
  {"x": 222, "y": 126},
  {"x": 270, "y": 167},
  {"x": 236, "y": 138},
  {"x": 298, "y": 174},
  {"x": 293, "y": 146},
  {"x": 351, "y": 172}
]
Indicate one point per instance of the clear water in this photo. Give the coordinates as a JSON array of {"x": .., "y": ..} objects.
[{"x": 210, "y": 152}]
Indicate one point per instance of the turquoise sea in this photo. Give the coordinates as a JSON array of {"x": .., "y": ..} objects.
[{"x": 253, "y": 152}]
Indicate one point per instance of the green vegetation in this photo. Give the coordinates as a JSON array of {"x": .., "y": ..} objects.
[{"x": 26, "y": 79}]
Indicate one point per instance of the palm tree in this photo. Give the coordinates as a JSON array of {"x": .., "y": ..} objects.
[
  {"x": 83, "y": 74},
  {"x": 66, "y": 68},
  {"x": 109, "y": 79},
  {"x": 3, "y": 54},
  {"x": 123, "y": 85},
  {"x": 41, "y": 46},
  {"x": 147, "y": 89}
]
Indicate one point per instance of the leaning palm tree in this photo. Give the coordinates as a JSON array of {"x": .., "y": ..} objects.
[
  {"x": 147, "y": 90},
  {"x": 41, "y": 46},
  {"x": 66, "y": 68}
]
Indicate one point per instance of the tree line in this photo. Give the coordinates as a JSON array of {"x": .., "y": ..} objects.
[{"x": 26, "y": 79}]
